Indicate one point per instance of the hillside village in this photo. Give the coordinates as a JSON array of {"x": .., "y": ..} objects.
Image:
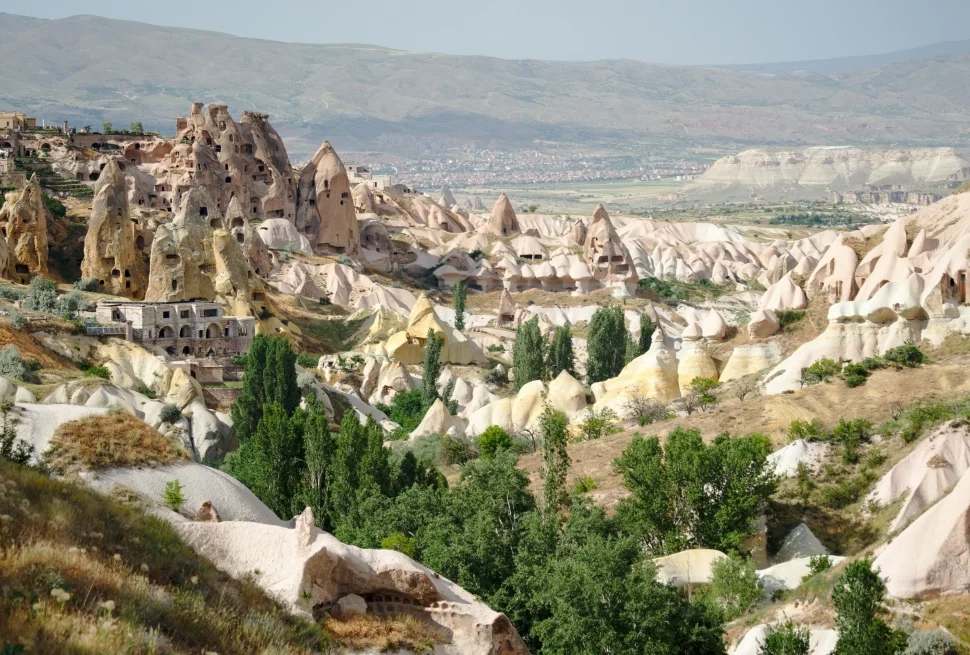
[{"x": 251, "y": 406}]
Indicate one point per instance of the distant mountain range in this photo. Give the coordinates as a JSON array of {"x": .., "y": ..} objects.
[{"x": 88, "y": 69}]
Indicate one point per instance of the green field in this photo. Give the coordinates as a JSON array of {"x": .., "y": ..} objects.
[{"x": 581, "y": 197}]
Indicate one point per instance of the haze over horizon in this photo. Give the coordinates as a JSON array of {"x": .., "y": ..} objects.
[{"x": 707, "y": 32}]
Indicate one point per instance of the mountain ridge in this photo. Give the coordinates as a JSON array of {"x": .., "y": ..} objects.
[{"x": 89, "y": 69}]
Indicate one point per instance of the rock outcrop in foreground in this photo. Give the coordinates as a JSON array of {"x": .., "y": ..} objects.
[
  {"x": 23, "y": 225},
  {"x": 308, "y": 569}
]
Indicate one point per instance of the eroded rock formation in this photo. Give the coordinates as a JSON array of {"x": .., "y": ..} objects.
[
  {"x": 325, "y": 211},
  {"x": 23, "y": 225},
  {"x": 110, "y": 255}
]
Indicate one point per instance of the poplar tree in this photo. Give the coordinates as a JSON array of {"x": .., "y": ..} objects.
[
  {"x": 460, "y": 305},
  {"x": 606, "y": 345},
  {"x": 432, "y": 368},
  {"x": 528, "y": 361},
  {"x": 646, "y": 333},
  {"x": 561, "y": 357}
]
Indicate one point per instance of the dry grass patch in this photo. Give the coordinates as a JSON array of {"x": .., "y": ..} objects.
[
  {"x": 85, "y": 573},
  {"x": 402, "y": 632},
  {"x": 116, "y": 439}
]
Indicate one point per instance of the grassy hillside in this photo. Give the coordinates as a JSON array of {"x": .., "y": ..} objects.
[
  {"x": 87, "y": 69},
  {"x": 83, "y": 573}
]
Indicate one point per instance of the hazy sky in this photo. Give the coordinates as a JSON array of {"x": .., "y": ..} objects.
[{"x": 668, "y": 31}]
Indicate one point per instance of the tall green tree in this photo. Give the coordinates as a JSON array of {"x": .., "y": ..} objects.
[
  {"x": 646, "y": 333},
  {"x": 319, "y": 448},
  {"x": 432, "y": 368},
  {"x": 858, "y": 597},
  {"x": 269, "y": 462},
  {"x": 691, "y": 495},
  {"x": 270, "y": 377},
  {"x": 459, "y": 298},
  {"x": 345, "y": 478},
  {"x": 561, "y": 357},
  {"x": 631, "y": 349},
  {"x": 555, "y": 459},
  {"x": 528, "y": 353},
  {"x": 606, "y": 344}
]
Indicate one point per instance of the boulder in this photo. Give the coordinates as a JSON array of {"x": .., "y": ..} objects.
[
  {"x": 567, "y": 394},
  {"x": 687, "y": 567},
  {"x": 695, "y": 362},
  {"x": 207, "y": 513},
  {"x": 810, "y": 453},
  {"x": 348, "y": 607},
  {"x": 800, "y": 542},
  {"x": 763, "y": 324}
]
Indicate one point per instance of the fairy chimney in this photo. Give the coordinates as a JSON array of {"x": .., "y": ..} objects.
[
  {"x": 23, "y": 224},
  {"x": 110, "y": 255},
  {"x": 503, "y": 222},
  {"x": 325, "y": 211}
]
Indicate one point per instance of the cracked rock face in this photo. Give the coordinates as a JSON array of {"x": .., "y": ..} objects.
[
  {"x": 110, "y": 255},
  {"x": 325, "y": 212},
  {"x": 23, "y": 225}
]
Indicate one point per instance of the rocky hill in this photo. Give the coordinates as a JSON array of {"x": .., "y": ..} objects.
[
  {"x": 88, "y": 69},
  {"x": 774, "y": 173}
]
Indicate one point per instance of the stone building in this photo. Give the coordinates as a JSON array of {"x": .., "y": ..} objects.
[
  {"x": 16, "y": 121},
  {"x": 186, "y": 329}
]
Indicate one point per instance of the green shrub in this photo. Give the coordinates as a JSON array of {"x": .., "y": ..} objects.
[
  {"x": 930, "y": 642},
  {"x": 406, "y": 409},
  {"x": 735, "y": 585},
  {"x": 855, "y": 380},
  {"x": 41, "y": 296},
  {"x": 817, "y": 564},
  {"x": 55, "y": 206},
  {"x": 400, "y": 542},
  {"x": 806, "y": 430},
  {"x": 173, "y": 496},
  {"x": 845, "y": 492},
  {"x": 14, "y": 366},
  {"x": 492, "y": 440},
  {"x": 98, "y": 372},
  {"x": 17, "y": 321},
  {"x": 787, "y": 317},
  {"x": 820, "y": 371},
  {"x": 147, "y": 392},
  {"x": 89, "y": 284},
  {"x": 908, "y": 356},
  {"x": 170, "y": 414},
  {"x": 598, "y": 423},
  {"x": 851, "y": 434},
  {"x": 584, "y": 485},
  {"x": 787, "y": 639},
  {"x": 455, "y": 450},
  {"x": 921, "y": 417},
  {"x": 11, "y": 293},
  {"x": 306, "y": 360}
]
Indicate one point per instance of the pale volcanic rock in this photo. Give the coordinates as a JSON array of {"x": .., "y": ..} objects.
[
  {"x": 110, "y": 255},
  {"x": 407, "y": 346},
  {"x": 606, "y": 256},
  {"x": 376, "y": 247},
  {"x": 577, "y": 234},
  {"x": 714, "y": 327},
  {"x": 835, "y": 272},
  {"x": 798, "y": 543},
  {"x": 23, "y": 223},
  {"x": 652, "y": 375},
  {"x": 438, "y": 420},
  {"x": 786, "y": 460},
  {"x": 764, "y": 323},
  {"x": 694, "y": 362},
  {"x": 821, "y": 170},
  {"x": 248, "y": 239},
  {"x": 514, "y": 414},
  {"x": 304, "y": 567},
  {"x": 195, "y": 257},
  {"x": 392, "y": 378},
  {"x": 281, "y": 234},
  {"x": 926, "y": 474},
  {"x": 502, "y": 222},
  {"x": 567, "y": 394},
  {"x": 688, "y": 567},
  {"x": 784, "y": 294},
  {"x": 325, "y": 211},
  {"x": 932, "y": 555}
]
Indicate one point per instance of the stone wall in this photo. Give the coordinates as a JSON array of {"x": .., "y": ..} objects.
[{"x": 220, "y": 398}]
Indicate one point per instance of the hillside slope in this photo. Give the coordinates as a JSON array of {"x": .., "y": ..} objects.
[{"x": 87, "y": 69}]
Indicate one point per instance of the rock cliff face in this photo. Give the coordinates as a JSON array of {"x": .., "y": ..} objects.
[
  {"x": 823, "y": 170},
  {"x": 23, "y": 225},
  {"x": 245, "y": 160},
  {"x": 326, "y": 208},
  {"x": 195, "y": 257},
  {"x": 110, "y": 255}
]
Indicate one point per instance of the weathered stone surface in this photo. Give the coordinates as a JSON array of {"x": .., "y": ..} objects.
[
  {"x": 110, "y": 255},
  {"x": 23, "y": 224},
  {"x": 605, "y": 254},
  {"x": 325, "y": 211},
  {"x": 248, "y": 239},
  {"x": 502, "y": 222},
  {"x": 207, "y": 513}
]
